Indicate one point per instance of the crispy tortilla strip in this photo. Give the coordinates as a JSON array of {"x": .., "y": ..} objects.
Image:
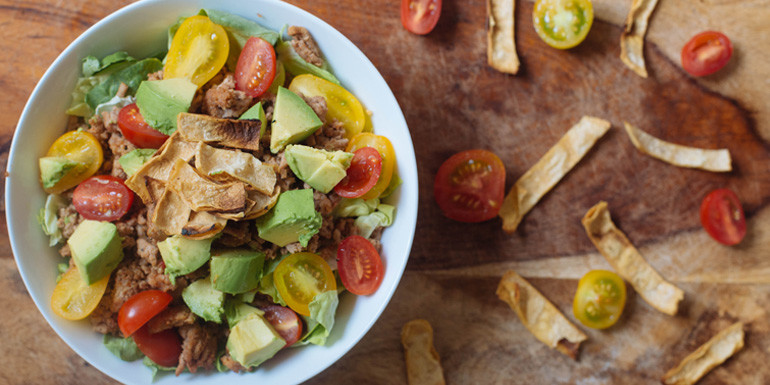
[
  {"x": 203, "y": 225},
  {"x": 556, "y": 163},
  {"x": 233, "y": 165},
  {"x": 501, "y": 43},
  {"x": 423, "y": 366},
  {"x": 632, "y": 39},
  {"x": 243, "y": 134},
  {"x": 202, "y": 194},
  {"x": 159, "y": 166},
  {"x": 678, "y": 155},
  {"x": 262, "y": 203},
  {"x": 170, "y": 214},
  {"x": 708, "y": 356},
  {"x": 629, "y": 264},
  {"x": 539, "y": 315}
]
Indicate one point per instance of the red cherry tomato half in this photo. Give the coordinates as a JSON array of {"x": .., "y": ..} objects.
[
  {"x": 136, "y": 130},
  {"x": 470, "y": 186},
  {"x": 706, "y": 53},
  {"x": 722, "y": 216},
  {"x": 360, "y": 266},
  {"x": 140, "y": 308},
  {"x": 163, "y": 347},
  {"x": 102, "y": 198},
  {"x": 256, "y": 67},
  {"x": 285, "y": 321},
  {"x": 420, "y": 16},
  {"x": 363, "y": 173}
]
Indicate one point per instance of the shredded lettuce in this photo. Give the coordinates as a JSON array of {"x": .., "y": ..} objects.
[
  {"x": 296, "y": 65},
  {"x": 62, "y": 268},
  {"x": 48, "y": 218},
  {"x": 366, "y": 224},
  {"x": 123, "y": 348},
  {"x": 355, "y": 207},
  {"x": 131, "y": 75},
  {"x": 115, "y": 102},
  {"x": 94, "y": 73},
  {"x": 155, "y": 368},
  {"x": 321, "y": 320}
]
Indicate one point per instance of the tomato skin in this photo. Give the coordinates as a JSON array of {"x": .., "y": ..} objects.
[
  {"x": 73, "y": 299},
  {"x": 163, "y": 348},
  {"x": 359, "y": 265},
  {"x": 79, "y": 146},
  {"x": 285, "y": 321},
  {"x": 362, "y": 175},
  {"x": 722, "y": 216},
  {"x": 420, "y": 16},
  {"x": 255, "y": 70},
  {"x": 563, "y": 24},
  {"x": 341, "y": 104},
  {"x": 198, "y": 51},
  {"x": 470, "y": 186},
  {"x": 300, "y": 277},
  {"x": 102, "y": 198},
  {"x": 136, "y": 130},
  {"x": 706, "y": 53},
  {"x": 388, "y": 154},
  {"x": 600, "y": 299},
  {"x": 140, "y": 308}
]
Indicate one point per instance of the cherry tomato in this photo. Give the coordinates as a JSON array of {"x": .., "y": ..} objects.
[
  {"x": 385, "y": 148},
  {"x": 73, "y": 299},
  {"x": 420, "y": 16},
  {"x": 360, "y": 265},
  {"x": 140, "y": 308},
  {"x": 102, "y": 198},
  {"x": 706, "y": 53},
  {"x": 600, "y": 299},
  {"x": 285, "y": 322},
  {"x": 79, "y": 146},
  {"x": 256, "y": 67},
  {"x": 362, "y": 175},
  {"x": 722, "y": 216},
  {"x": 470, "y": 186},
  {"x": 198, "y": 51},
  {"x": 563, "y": 23},
  {"x": 136, "y": 130},
  {"x": 300, "y": 277},
  {"x": 163, "y": 348},
  {"x": 341, "y": 104}
]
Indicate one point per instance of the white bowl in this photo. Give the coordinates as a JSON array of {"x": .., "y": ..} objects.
[{"x": 140, "y": 29}]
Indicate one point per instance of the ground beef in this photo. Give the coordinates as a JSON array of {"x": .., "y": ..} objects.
[
  {"x": 171, "y": 317},
  {"x": 305, "y": 46},
  {"x": 199, "y": 347},
  {"x": 224, "y": 101},
  {"x": 318, "y": 104},
  {"x": 330, "y": 137},
  {"x": 232, "y": 364},
  {"x": 155, "y": 75},
  {"x": 285, "y": 178},
  {"x": 69, "y": 219}
]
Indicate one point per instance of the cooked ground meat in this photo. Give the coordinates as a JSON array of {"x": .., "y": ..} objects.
[
  {"x": 155, "y": 75},
  {"x": 224, "y": 101},
  {"x": 231, "y": 364},
  {"x": 199, "y": 347},
  {"x": 171, "y": 317},
  {"x": 318, "y": 104},
  {"x": 330, "y": 137},
  {"x": 305, "y": 46}
]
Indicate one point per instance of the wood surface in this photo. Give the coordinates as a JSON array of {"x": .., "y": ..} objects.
[{"x": 453, "y": 101}]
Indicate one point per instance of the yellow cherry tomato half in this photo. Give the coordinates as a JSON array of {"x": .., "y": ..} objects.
[
  {"x": 388, "y": 154},
  {"x": 341, "y": 104},
  {"x": 81, "y": 147},
  {"x": 198, "y": 51},
  {"x": 600, "y": 299},
  {"x": 73, "y": 299},
  {"x": 300, "y": 277},
  {"x": 563, "y": 23}
]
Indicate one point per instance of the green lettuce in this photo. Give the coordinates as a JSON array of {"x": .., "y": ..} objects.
[
  {"x": 266, "y": 283},
  {"x": 115, "y": 102},
  {"x": 155, "y": 368},
  {"x": 92, "y": 65},
  {"x": 131, "y": 75},
  {"x": 355, "y": 207},
  {"x": 95, "y": 72},
  {"x": 395, "y": 181},
  {"x": 296, "y": 65},
  {"x": 62, "y": 268},
  {"x": 48, "y": 218},
  {"x": 382, "y": 217},
  {"x": 321, "y": 320},
  {"x": 123, "y": 348}
]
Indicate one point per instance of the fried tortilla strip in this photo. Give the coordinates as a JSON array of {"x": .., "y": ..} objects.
[
  {"x": 170, "y": 214},
  {"x": 262, "y": 203},
  {"x": 203, "y": 225},
  {"x": 501, "y": 43},
  {"x": 678, "y": 155},
  {"x": 233, "y": 165},
  {"x": 539, "y": 315},
  {"x": 202, "y": 194},
  {"x": 423, "y": 366},
  {"x": 556, "y": 163},
  {"x": 629, "y": 264},
  {"x": 243, "y": 134},
  {"x": 708, "y": 356},
  {"x": 632, "y": 39},
  {"x": 159, "y": 166}
]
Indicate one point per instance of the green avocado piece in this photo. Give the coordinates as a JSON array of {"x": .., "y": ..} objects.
[
  {"x": 293, "y": 120},
  {"x": 237, "y": 271},
  {"x": 96, "y": 249},
  {"x": 256, "y": 112},
  {"x": 53, "y": 168},
  {"x": 292, "y": 219},
  {"x": 160, "y": 101},
  {"x": 183, "y": 256},
  {"x": 253, "y": 340},
  {"x": 205, "y": 301},
  {"x": 132, "y": 161},
  {"x": 236, "y": 310},
  {"x": 321, "y": 169}
]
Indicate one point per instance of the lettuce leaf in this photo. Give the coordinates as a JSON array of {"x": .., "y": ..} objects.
[
  {"x": 394, "y": 183},
  {"x": 355, "y": 207},
  {"x": 296, "y": 65},
  {"x": 366, "y": 224},
  {"x": 241, "y": 28},
  {"x": 116, "y": 101},
  {"x": 131, "y": 75},
  {"x": 62, "y": 268},
  {"x": 48, "y": 218},
  {"x": 321, "y": 320},
  {"x": 123, "y": 348},
  {"x": 155, "y": 368},
  {"x": 92, "y": 65}
]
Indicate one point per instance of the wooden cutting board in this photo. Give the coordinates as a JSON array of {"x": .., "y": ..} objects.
[{"x": 453, "y": 101}]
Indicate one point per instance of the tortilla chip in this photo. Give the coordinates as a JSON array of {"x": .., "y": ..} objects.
[
  {"x": 544, "y": 175},
  {"x": 262, "y": 203},
  {"x": 155, "y": 188},
  {"x": 159, "y": 166},
  {"x": 243, "y": 134},
  {"x": 629, "y": 264},
  {"x": 501, "y": 43},
  {"x": 233, "y": 165},
  {"x": 678, "y": 155},
  {"x": 539, "y": 315},
  {"x": 203, "y": 225},
  {"x": 170, "y": 214},
  {"x": 632, "y": 39},
  {"x": 423, "y": 366},
  {"x": 202, "y": 194},
  {"x": 708, "y": 356}
]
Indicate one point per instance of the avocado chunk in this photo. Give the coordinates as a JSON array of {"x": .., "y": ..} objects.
[
  {"x": 237, "y": 271},
  {"x": 205, "y": 301},
  {"x": 256, "y": 112},
  {"x": 53, "y": 168},
  {"x": 321, "y": 169},
  {"x": 132, "y": 161},
  {"x": 160, "y": 101},
  {"x": 96, "y": 249},
  {"x": 292, "y": 219},
  {"x": 293, "y": 120},
  {"x": 253, "y": 340},
  {"x": 236, "y": 310},
  {"x": 183, "y": 256}
]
